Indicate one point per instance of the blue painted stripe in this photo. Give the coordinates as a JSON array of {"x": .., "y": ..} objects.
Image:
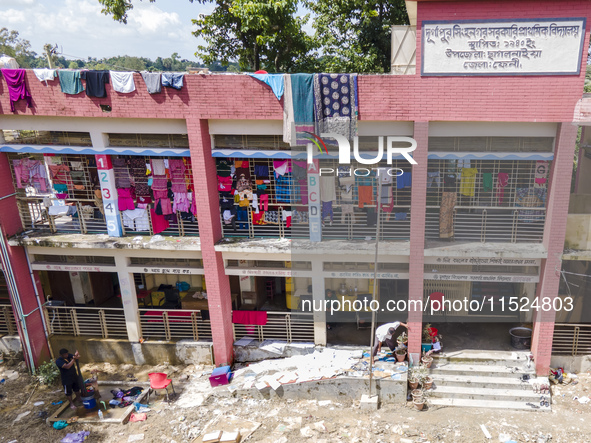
[
  {"x": 42, "y": 149},
  {"x": 492, "y": 156}
]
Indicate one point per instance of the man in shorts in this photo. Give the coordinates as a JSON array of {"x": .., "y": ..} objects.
[{"x": 65, "y": 363}]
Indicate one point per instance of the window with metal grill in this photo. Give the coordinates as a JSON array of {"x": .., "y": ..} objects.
[
  {"x": 491, "y": 144},
  {"x": 167, "y": 262},
  {"x": 74, "y": 259},
  {"x": 149, "y": 140},
  {"x": 66, "y": 138}
]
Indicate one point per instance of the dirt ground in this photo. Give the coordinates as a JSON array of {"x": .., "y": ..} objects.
[{"x": 285, "y": 421}]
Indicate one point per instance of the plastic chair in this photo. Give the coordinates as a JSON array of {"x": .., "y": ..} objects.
[
  {"x": 159, "y": 380},
  {"x": 437, "y": 297}
]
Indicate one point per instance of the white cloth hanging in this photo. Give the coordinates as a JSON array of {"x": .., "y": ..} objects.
[
  {"x": 122, "y": 81},
  {"x": 44, "y": 74},
  {"x": 136, "y": 219}
]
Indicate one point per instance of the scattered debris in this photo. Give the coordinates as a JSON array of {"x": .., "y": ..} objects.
[{"x": 485, "y": 432}]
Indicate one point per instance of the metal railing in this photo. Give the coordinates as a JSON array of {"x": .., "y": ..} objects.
[
  {"x": 7, "y": 320},
  {"x": 95, "y": 322},
  {"x": 170, "y": 324},
  {"x": 284, "y": 326},
  {"x": 491, "y": 225},
  {"x": 180, "y": 226},
  {"x": 357, "y": 226},
  {"x": 86, "y": 219},
  {"x": 276, "y": 227},
  {"x": 571, "y": 339},
  {"x": 361, "y": 225}
]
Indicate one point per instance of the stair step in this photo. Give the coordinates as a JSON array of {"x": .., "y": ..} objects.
[
  {"x": 488, "y": 404},
  {"x": 494, "y": 358},
  {"x": 483, "y": 381},
  {"x": 477, "y": 369},
  {"x": 484, "y": 394}
]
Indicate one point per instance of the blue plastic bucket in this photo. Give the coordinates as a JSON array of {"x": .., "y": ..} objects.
[
  {"x": 89, "y": 402},
  {"x": 426, "y": 347}
]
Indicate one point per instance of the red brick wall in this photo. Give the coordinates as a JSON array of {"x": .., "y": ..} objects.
[
  {"x": 417, "y": 233},
  {"x": 554, "y": 233},
  {"x": 210, "y": 232},
  {"x": 381, "y": 97},
  {"x": 10, "y": 224}
]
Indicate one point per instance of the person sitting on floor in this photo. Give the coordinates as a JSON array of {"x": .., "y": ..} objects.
[
  {"x": 384, "y": 334},
  {"x": 65, "y": 363}
]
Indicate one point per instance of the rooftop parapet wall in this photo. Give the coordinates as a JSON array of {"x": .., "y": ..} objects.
[{"x": 381, "y": 97}]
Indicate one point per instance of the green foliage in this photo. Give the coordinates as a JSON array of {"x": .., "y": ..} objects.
[
  {"x": 259, "y": 34},
  {"x": 355, "y": 35},
  {"x": 14, "y": 46},
  {"x": 350, "y": 35},
  {"x": 427, "y": 333},
  {"x": 47, "y": 373}
]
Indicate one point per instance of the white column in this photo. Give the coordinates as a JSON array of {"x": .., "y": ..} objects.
[
  {"x": 128, "y": 298},
  {"x": 318, "y": 299}
]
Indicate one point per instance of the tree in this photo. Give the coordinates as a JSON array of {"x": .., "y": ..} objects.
[
  {"x": 73, "y": 65},
  {"x": 11, "y": 44},
  {"x": 355, "y": 35},
  {"x": 259, "y": 34}
]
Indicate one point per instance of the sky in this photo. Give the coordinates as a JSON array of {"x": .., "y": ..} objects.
[{"x": 81, "y": 30}]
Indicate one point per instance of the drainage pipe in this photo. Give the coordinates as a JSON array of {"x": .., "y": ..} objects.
[{"x": 13, "y": 291}]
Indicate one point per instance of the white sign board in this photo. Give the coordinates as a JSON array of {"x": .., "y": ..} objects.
[
  {"x": 368, "y": 275},
  {"x": 503, "y": 47},
  {"x": 482, "y": 261},
  {"x": 516, "y": 278}
]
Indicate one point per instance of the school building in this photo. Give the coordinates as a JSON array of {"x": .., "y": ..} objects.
[{"x": 145, "y": 226}]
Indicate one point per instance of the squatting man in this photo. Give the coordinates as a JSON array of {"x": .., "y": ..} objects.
[{"x": 384, "y": 334}]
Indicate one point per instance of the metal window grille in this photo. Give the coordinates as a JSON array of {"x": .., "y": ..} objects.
[
  {"x": 486, "y": 216},
  {"x": 89, "y": 218},
  {"x": 149, "y": 140},
  {"x": 571, "y": 339},
  {"x": 64, "y": 138},
  {"x": 359, "y": 225}
]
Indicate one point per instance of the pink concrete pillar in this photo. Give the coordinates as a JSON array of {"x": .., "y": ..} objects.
[
  {"x": 210, "y": 231},
  {"x": 10, "y": 224},
  {"x": 417, "y": 235},
  {"x": 554, "y": 233}
]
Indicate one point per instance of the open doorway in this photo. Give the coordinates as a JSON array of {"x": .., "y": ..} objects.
[{"x": 82, "y": 288}]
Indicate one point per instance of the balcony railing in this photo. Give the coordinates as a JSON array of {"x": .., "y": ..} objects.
[
  {"x": 284, "y": 326},
  {"x": 571, "y": 339},
  {"x": 167, "y": 324},
  {"x": 180, "y": 226},
  {"x": 7, "y": 320},
  {"x": 358, "y": 226},
  {"x": 491, "y": 225},
  {"x": 164, "y": 324},
  {"x": 85, "y": 321},
  {"x": 83, "y": 217},
  {"x": 86, "y": 218}
]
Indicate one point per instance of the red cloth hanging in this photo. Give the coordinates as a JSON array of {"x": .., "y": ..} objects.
[{"x": 249, "y": 317}]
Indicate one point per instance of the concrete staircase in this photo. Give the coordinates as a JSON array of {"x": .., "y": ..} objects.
[{"x": 484, "y": 379}]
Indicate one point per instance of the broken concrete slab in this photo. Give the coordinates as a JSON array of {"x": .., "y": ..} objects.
[{"x": 369, "y": 403}]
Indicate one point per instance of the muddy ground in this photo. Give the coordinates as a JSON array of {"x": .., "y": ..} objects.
[{"x": 283, "y": 421}]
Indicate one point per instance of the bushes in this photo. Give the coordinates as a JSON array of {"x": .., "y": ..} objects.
[{"x": 47, "y": 373}]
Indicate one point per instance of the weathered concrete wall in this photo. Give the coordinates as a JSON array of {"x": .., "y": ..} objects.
[
  {"x": 580, "y": 203},
  {"x": 578, "y": 232},
  {"x": 122, "y": 351},
  {"x": 340, "y": 389},
  {"x": 581, "y": 363},
  {"x": 252, "y": 352},
  {"x": 10, "y": 343}
]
